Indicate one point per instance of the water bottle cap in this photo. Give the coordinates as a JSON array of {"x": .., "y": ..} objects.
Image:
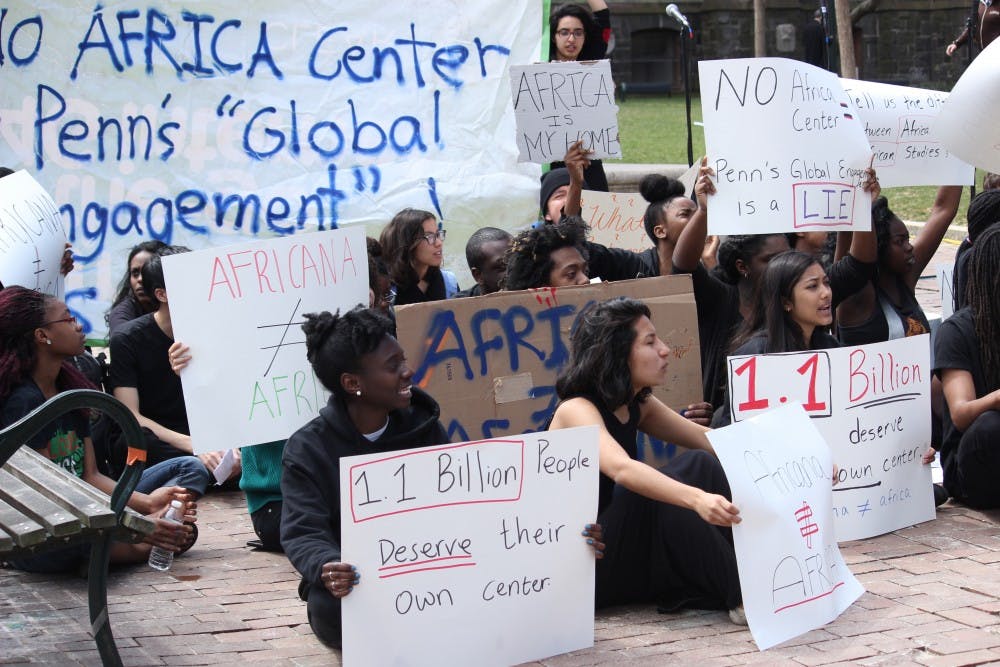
[{"x": 176, "y": 504}]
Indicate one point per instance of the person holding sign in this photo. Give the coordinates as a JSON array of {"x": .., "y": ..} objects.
[
  {"x": 576, "y": 34},
  {"x": 373, "y": 407},
  {"x": 38, "y": 337},
  {"x": 967, "y": 359},
  {"x": 666, "y": 531},
  {"x": 725, "y": 297},
  {"x": 413, "y": 244}
]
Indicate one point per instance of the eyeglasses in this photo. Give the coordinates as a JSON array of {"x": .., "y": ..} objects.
[
  {"x": 566, "y": 32},
  {"x": 70, "y": 319},
  {"x": 431, "y": 237}
]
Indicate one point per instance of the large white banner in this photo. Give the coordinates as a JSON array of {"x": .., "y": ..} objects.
[
  {"x": 966, "y": 124},
  {"x": 872, "y": 404},
  {"x": 471, "y": 554},
  {"x": 223, "y": 120},
  {"x": 792, "y": 574},
  {"x": 898, "y": 122},
  {"x": 560, "y": 103},
  {"x": 240, "y": 309},
  {"x": 32, "y": 239},
  {"x": 788, "y": 151}
]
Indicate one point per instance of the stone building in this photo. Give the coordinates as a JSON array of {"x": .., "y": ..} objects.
[{"x": 902, "y": 41}]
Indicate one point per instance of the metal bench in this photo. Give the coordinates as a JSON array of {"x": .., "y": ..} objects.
[{"x": 44, "y": 507}]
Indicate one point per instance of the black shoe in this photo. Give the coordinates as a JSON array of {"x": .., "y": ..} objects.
[{"x": 940, "y": 495}]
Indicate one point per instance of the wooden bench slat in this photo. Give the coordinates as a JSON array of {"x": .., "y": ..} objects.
[
  {"x": 69, "y": 492},
  {"x": 6, "y": 541},
  {"x": 23, "y": 531},
  {"x": 57, "y": 520},
  {"x": 138, "y": 523}
]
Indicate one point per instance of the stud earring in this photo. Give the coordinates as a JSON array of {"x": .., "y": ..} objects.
[
  {"x": 48, "y": 341},
  {"x": 358, "y": 393}
]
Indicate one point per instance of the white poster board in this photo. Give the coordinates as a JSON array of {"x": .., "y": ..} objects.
[
  {"x": 872, "y": 405},
  {"x": 557, "y": 104},
  {"x": 946, "y": 276},
  {"x": 788, "y": 152},
  {"x": 240, "y": 309},
  {"x": 32, "y": 240},
  {"x": 792, "y": 574},
  {"x": 616, "y": 219},
  {"x": 967, "y": 125},
  {"x": 223, "y": 121},
  {"x": 471, "y": 554},
  {"x": 898, "y": 121}
]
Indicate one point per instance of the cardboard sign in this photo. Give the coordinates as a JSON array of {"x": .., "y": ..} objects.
[
  {"x": 788, "y": 152},
  {"x": 491, "y": 362},
  {"x": 32, "y": 240},
  {"x": 872, "y": 404},
  {"x": 967, "y": 125},
  {"x": 792, "y": 574},
  {"x": 558, "y": 104},
  {"x": 240, "y": 309},
  {"x": 220, "y": 121},
  {"x": 616, "y": 219},
  {"x": 471, "y": 553},
  {"x": 898, "y": 122}
]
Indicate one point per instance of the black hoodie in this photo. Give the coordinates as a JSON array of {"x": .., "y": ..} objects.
[{"x": 310, "y": 478}]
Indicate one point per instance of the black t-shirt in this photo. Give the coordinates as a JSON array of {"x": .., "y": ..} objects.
[
  {"x": 718, "y": 306},
  {"x": 61, "y": 441},
  {"x": 139, "y": 359},
  {"x": 957, "y": 347}
]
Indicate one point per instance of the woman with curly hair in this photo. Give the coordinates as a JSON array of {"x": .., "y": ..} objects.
[
  {"x": 413, "y": 249},
  {"x": 667, "y": 532}
]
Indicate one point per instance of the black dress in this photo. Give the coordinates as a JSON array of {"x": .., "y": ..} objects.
[{"x": 660, "y": 553}]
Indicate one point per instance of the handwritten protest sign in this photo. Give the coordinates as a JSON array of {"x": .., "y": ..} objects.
[
  {"x": 32, "y": 239},
  {"x": 558, "y": 104},
  {"x": 228, "y": 120},
  {"x": 898, "y": 123},
  {"x": 966, "y": 124},
  {"x": 788, "y": 152},
  {"x": 240, "y": 309},
  {"x": 792, "y": 574},
  {"x": 945, "y": 276},
  {"x": 872, "y": 404},
  {"x": 616, "y": 219},
  {"x": 471, "y": 553},
  {"x": 491, "y": 362}
]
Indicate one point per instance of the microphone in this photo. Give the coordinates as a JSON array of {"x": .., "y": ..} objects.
[{"x": 676, "y": 15}]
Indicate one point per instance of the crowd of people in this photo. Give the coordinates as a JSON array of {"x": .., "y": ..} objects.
[{"x": 661, "y": 536}]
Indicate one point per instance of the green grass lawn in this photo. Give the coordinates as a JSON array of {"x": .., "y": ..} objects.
[{"x": 653, "y": 130}]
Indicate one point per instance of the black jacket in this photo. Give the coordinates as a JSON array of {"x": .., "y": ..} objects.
[{"x": 310, "y": 478}]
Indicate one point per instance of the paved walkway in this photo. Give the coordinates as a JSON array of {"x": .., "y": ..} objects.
[{"x": 933, "y": 599}]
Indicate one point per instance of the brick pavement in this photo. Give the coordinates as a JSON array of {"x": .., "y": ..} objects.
[{"x": 933, "y": 599}]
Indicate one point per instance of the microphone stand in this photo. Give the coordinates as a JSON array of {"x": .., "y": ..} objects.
[
  {"x": 687, "y": 89},
  {"x": 826, "y": 34},
  {"x": 970, "y": 25}
]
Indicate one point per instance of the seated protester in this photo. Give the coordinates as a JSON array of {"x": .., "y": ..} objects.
[
  {"x": 38, "y": 337},
  {"x": 967, "y": 359},
  {"x": 131, "y": 301},
  {"x": 548, "y": 256},
  {"x": 413, "y": 245},
  {"x": 372, "y": 408},
  {"x": 143, "y": 379},
  {"x": 665, "y": 217},
  {"x": 724, "y": 297},
  {"x": 560, "y": 197},
  {"x": 486, "y": 253},
  {"x": 983, "y": 212},
  {"x": 667, "y": 531}
]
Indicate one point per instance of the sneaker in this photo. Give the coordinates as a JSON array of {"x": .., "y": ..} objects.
[{"x": 738, "y": 616}]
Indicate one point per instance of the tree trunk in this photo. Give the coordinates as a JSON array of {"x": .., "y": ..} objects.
[
  {"x": 845, "y": 39},
  {"x": 759, "y": 30}
]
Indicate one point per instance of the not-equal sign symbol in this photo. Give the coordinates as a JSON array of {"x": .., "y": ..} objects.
[{"x": 281, "y": 343}]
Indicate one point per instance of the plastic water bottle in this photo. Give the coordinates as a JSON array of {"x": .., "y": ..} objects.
[{"x": 162, "y": 559}]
